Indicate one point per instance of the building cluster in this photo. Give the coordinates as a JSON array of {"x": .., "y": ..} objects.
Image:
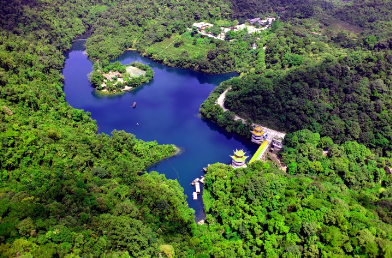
[
  {"x": 201, "y": 26},
  {"x": 265, "y": 24},
  {"x": 259, "y": 136},
  {"x": 109, "y": 77},
  {"x": 261, "y": 22}
]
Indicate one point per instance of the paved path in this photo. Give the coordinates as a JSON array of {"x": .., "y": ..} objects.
[{"x": 271, "y": 133}]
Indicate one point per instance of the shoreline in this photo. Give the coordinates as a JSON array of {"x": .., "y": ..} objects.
[
  {"x": 107, "y": 93},
  {"x": 160, "y": 61},
  {"x": 175, "y": 153},
  {"x": 221, "y": 102}
]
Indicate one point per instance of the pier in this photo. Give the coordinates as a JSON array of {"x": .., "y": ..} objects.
[{"x": 196, "y": 183}]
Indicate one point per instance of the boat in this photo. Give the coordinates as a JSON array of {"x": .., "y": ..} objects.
[
  {"x": 205, "y": 169},
  {"x": 137, "y": 123},
  {"x": 134, "y": 104},
  {"x": 194, "y": 196},
  {"x": 197, "y": 186}
]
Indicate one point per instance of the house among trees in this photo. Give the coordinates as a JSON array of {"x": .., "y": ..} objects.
[
  {"x": 109, "y": 76},
  {"x": 277, "y": 143},
  {"x": 261, "y": 22},
  {"x": 202, "y": 25}
]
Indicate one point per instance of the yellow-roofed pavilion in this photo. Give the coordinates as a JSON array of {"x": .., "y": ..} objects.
[{"x": 257, "y": 135}]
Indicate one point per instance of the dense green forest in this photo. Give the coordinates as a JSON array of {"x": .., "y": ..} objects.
[
  {"x": 348, "y": 98},
  {"x": 264, "y": 212},
  {"x": 66, "y": 191}
]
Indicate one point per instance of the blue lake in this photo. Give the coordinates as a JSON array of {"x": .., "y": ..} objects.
[{"x": 167, "y": 111}]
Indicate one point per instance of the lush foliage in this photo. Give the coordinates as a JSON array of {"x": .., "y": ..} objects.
[
  {"x": 260, "y": 211},
  {"x": 138, "y": 24},
  {"x": 66, "y": 191},
  {"x": 348, "y": 99},
  {"x": 133, "y": 80},
  {"x": 352, "y": 163}
]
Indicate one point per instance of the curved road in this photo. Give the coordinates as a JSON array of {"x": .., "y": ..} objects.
[{"x": 271, "y": 133}]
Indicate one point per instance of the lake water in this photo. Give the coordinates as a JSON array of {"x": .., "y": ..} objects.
[{"x": 167, "y": 111}]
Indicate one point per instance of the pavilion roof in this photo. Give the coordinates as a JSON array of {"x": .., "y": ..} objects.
[
  {"x": 239, "y": 153},
  {"x": 258, "y": 128},
  {"x": 239, "y": 159},
  {"x": 257, "y": 133}
]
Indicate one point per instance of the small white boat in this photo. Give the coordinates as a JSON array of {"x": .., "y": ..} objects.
[
  {"x": 194, "y": 196},
  {"x": 197, "y": 185}
]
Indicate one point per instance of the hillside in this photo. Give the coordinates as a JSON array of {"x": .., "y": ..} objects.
[{"x": 66, "y": 191}]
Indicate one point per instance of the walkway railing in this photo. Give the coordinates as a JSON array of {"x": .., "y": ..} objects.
[{"x": 260, "y": 152}]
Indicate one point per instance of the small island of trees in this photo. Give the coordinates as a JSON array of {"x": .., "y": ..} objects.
[{"x": 116, "y": 77}]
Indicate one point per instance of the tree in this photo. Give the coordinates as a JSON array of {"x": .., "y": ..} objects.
[
  {"x": 194, "y": 31},
  {"x": 216, "y": 30},
  {"x": 96, "y": 78},
  {"x": 178, "y": 41}
]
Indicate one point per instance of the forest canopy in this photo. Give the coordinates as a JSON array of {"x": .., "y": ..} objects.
[{"x": 321, "y": 73}]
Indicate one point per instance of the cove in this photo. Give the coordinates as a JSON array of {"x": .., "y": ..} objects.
[{"x": 167, "y": 111}]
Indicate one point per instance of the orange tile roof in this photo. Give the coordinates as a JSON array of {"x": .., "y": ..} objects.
[
  {"x": 258, "y": 128},
  {"x": 257, "y": 133}
]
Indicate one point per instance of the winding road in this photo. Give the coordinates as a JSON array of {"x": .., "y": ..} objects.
[{"x": 271, "y": 133}]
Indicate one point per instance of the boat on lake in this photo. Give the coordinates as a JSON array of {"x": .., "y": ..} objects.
[{"x": 134, "y": 104}]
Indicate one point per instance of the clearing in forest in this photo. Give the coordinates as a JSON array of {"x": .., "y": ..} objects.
[
  {"x": 195, "y": 47},
  {"x": 135, "y": 72}
]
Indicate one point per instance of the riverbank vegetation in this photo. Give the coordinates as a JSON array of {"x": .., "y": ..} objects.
[
  {"x": 260, "y": 211},
  {"x": 115, "y": 77},
  {"x": 66, "y": 191},
  {"x": 347, "y": 99}
]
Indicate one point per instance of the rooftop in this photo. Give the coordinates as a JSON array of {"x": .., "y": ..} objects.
[
  {"x": 258, "y": 133},
  {"x": 239, "y": 159},
  {"x": 239, "y": 153},
  {"x": 202, "y": 24}
]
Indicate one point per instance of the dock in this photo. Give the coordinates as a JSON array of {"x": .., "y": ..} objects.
[
  {"x": 196, "y": 183},
  {"x": 197, "y": 186}
]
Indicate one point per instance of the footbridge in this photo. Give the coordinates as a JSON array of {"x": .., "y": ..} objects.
[{"x": 261, "y": 152}]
